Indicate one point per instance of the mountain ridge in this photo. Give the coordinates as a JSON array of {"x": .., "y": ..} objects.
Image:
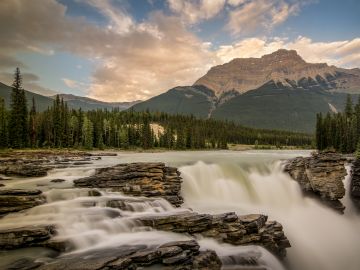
[{"x": 285, "y": 66}]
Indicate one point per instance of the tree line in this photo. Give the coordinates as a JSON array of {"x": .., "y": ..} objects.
[
  {"x": 340, "y": 131},
  {"x": 60, "y": 126}
]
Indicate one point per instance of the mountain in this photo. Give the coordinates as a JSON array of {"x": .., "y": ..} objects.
[
  {"x": 91, "y": 104},
  {"x": 75, "y": 102},
  {"x": 282, "y": 66},
  {"x": 276, "y": 91}
]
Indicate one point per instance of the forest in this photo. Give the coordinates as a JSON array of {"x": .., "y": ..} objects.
[
  {"x": 61, "y": 127},
  {"x": 340, "y": 131}
]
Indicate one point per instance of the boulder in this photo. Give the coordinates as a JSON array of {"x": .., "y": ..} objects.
[
  {"x": 14, "y": 200},
  {"x": 138, "y": 179},
  {"x": 322, "y": 174}
]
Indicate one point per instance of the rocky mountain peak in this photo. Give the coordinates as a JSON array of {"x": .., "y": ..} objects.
[{"x": 284, "y": 66}]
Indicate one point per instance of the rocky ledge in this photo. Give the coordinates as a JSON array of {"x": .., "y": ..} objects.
[
  {"x": 228, "y": 227},
  {"x": 14, "y": 200},
  {"x": 138, "y": 179},
  {"x": 173, "y": 255},
  {"x": 355, "y": 183},
  {"x": 322, "y": 174}
]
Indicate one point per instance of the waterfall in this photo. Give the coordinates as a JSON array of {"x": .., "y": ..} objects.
[{"x": 321, "y": 238}]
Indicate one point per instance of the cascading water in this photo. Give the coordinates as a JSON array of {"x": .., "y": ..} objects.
[
  {"x": 321, "y": 238},
  {"x": 244, "y": 182}
]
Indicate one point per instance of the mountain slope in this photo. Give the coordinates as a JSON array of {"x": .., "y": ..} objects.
[
  {"x": 86, "y": 103},
  {"x": 75, "y": 102},
  {"x": 42, "y": 102},
  {"x": 274, "y": 106},
  {"x": 187, "y": 100}
]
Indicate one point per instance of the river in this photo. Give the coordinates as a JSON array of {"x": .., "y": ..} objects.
[{"x": 213, "y": 182}]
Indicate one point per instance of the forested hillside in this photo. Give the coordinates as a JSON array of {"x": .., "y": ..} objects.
[{"x": 340, "y": 131}]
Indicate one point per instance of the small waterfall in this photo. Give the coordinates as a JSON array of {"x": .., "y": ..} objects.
[{"x": 321, "y": 238}]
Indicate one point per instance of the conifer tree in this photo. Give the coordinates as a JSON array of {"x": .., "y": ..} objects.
[
  {"x": 18, "y": 122},
  {"x": 32, "y": 124},
  {"x": 3, "y": 125}
]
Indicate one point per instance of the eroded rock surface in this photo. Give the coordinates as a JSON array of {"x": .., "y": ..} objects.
[
  {"x": 28, "y": 236},
  {"x": 14, "y": 200},
  {"x": 321, "y": 174},
  {"x": 228, "y": 228},
  {"x": 138, "y": 179},
  {"x": 174, "y": 255}
]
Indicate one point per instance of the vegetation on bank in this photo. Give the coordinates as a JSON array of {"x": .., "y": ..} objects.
[
  {"x": 61, "y": 127},
  {"x": 340, "y": 131}
]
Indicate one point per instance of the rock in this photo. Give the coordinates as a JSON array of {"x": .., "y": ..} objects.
[
  {"x": 14, "y": 200},
  {"x": 23, "y": 169},
  {"x": 103, "y": 154},
  {"x": 228, "y": 228},
  {"x": 138, "y": 179},
  {"x": 2, "y": 185},
  {"x": 57, "y": 180},
  {"x": 23, "y": 264},
  {"x": 355, "y": 183},
  {"x": 82, "y": 163},
  {"x": 174, "y": 255},
  {"x": 29, "y": 236},
  {"x": 321, "y": 174}
]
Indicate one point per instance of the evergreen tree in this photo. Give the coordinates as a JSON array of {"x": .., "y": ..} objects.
[
  {"x": 18, "y": 122},
  {"x": 32, "y": 124},
  {"x": 3, "y": 125},
  {"x": 348, "y": 106}
]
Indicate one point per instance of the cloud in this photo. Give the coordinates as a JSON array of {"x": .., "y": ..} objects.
[
  {"x": 345, "y": 53},
  {"x": 258, "y": 15},
  {"x": 193, "y": 11}
]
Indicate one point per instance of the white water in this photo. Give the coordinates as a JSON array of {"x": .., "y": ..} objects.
[
  {"x": 321, "y": 238},
  {"x": 244, "y": 182}
]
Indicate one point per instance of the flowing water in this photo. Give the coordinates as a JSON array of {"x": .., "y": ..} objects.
[{"x": 213, "y": 182}]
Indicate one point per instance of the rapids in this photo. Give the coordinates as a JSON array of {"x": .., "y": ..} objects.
[{"x": 213, "y": 182}]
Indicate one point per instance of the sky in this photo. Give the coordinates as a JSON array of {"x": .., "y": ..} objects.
[{"x": 125, "y": 50}]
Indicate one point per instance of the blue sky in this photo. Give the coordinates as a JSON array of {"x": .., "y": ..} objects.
[{"x": 122, "y": 50}]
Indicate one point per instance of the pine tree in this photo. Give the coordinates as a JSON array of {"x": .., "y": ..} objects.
[
  {"x": 18, "y": 122},
  {"x": 358, "y": 151},
  {"x": 348, "y": 106},
  {"x": 32, "y": 124},
  {"x": 3, "y": 125}
]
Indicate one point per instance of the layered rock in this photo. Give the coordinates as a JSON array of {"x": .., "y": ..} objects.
[
  {"x": 138, "y": 179},
  {"x": 321, "y": 174},
  {"x": 355, "y": 183},
  {"x": 227, "y": 227},
  {"x": 28, "y": 236},
  {"x": 14, "y": 200},
  {"x": 283, "y": 66},
  {"x": 173, "y": 255}
]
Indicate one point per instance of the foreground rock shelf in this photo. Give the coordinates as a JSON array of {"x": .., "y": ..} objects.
[
  {"x": 138, "y": 179},
  {"x": 322, "y": 174},
  {"x": 14, "y": 200}
]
